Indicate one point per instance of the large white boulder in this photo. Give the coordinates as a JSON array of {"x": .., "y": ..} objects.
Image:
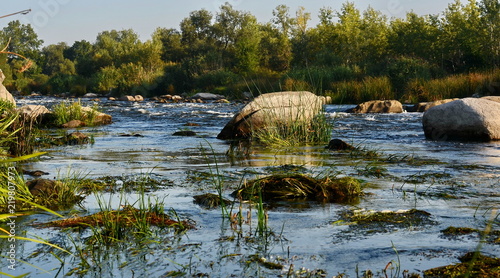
[
  {"x": 272, "y": 108},
  {"x": 468, "y": 119},
  {"x": 4, "y": 94}
]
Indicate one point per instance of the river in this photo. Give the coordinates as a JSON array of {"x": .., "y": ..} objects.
[{"x": 308, "y": 237}]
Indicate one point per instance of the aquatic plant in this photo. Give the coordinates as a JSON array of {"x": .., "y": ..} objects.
[
  {"x": 217, "y": 180},
  {"x": 301, "y": 186},
  {"x": 209, "y": 200},
  {"x": 294, "y": 133},
  {"x": 472, "y": 264},
  {"x": 14, "y": 198},
  {"x": 17, "y": 131},
  {"x": 65, "y": 112}
]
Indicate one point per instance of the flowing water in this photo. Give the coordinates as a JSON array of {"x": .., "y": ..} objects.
[{"x": 306, "y": 235}]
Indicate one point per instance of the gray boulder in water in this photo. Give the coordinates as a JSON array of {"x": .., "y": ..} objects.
[
  {"x": 468, "y": 119},
  {"x": 272, "y": 108}
]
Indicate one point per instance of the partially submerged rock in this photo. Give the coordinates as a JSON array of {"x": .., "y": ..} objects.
[
  {"x": 210, "y": 201},
  {"x": 53, "y": 194},
  {"x": 74, "y": 124},
  {"x": 378, "y": 106},
  {"x": 99, "y": 118},
  {"x": 469, "y": 119},
  {"x": 207, "y": 96},
  {"x": 127, "y": 98},
  {"x": 272, "y": 108},
  {"x": 424, "y": 106},
  {"x": 339, "y": 145},
  {"x": 299, "y": 186},
  {"x": 184, "y": 133},
  {"x": 34, "y": 112},
  {"x": 77, "y": 138},
  {"x": 43, "y": 187}
]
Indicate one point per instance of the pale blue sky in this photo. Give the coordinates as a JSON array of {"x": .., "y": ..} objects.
[{"x": 72, "y": 20}]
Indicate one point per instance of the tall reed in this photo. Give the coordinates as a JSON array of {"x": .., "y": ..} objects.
[
  {"x": 370, "y": 88},
  {"x": 454, "y": 86}
]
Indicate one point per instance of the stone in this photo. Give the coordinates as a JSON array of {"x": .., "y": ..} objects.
[
  {"x": 424, "y": 106},
  {"x": 35, "y": 112},
  {"x": 4, "y": 94},
  {"x": 77, "y": 138},
  {"x": 272, "y": 108},
  {"x": 492, "y": 98},
  {"x": 100, "y": 118},
  {"x": 138, "y": 98},
  {"x": 35, "y": 173},
  {"x": 339, "y": 145},
  {"x": 127, "y": 98},
  {"x": 184, "y": 133},
  {"x": 207, "y": 96},
  {"x": 468, "y": 119},
  {"x": 43, "y": 187},
  {"x": 90, "y": 95},
  {"x": 73, "y": 124},
  {"x": 176, "y": 98},
  {"x": 378, "y": 106}
]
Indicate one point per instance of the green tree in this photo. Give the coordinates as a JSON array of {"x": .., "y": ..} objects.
[
  {"x": 172, "y": 49},
  {"x": 374, "y": 31},
  {"x": 300, "y": 41},
  {"x": 415, "y": 36},
  {"x": 324, "y": 42},
  {"x": 247, "y": 45},
  {"x": 283, "y": 20},
  {"x": 490, "y": 20},
  {"x": 275, "y": 49},
  {"x": 55, "y": 62},
  {"x": 23, "y": 40},
  {"x": 349, "y": 33},
  {"x": 81, "y": 53},
  {"x": 461, "y": 36}
]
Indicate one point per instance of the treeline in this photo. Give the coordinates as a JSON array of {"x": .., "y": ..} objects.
[{"x": 351, "y": 55}]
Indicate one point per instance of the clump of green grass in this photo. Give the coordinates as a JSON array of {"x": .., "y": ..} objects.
[
  {"x": 65, "y": 112},
  {"x": 132, "y": 221},
  {"x": 295, "y": 133},
  {"x": 17, "y": 131},
  {"x": 301, "y": 186},
  {"x": 209, "y": 200},
  {"x": 57, "y": 194}
]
